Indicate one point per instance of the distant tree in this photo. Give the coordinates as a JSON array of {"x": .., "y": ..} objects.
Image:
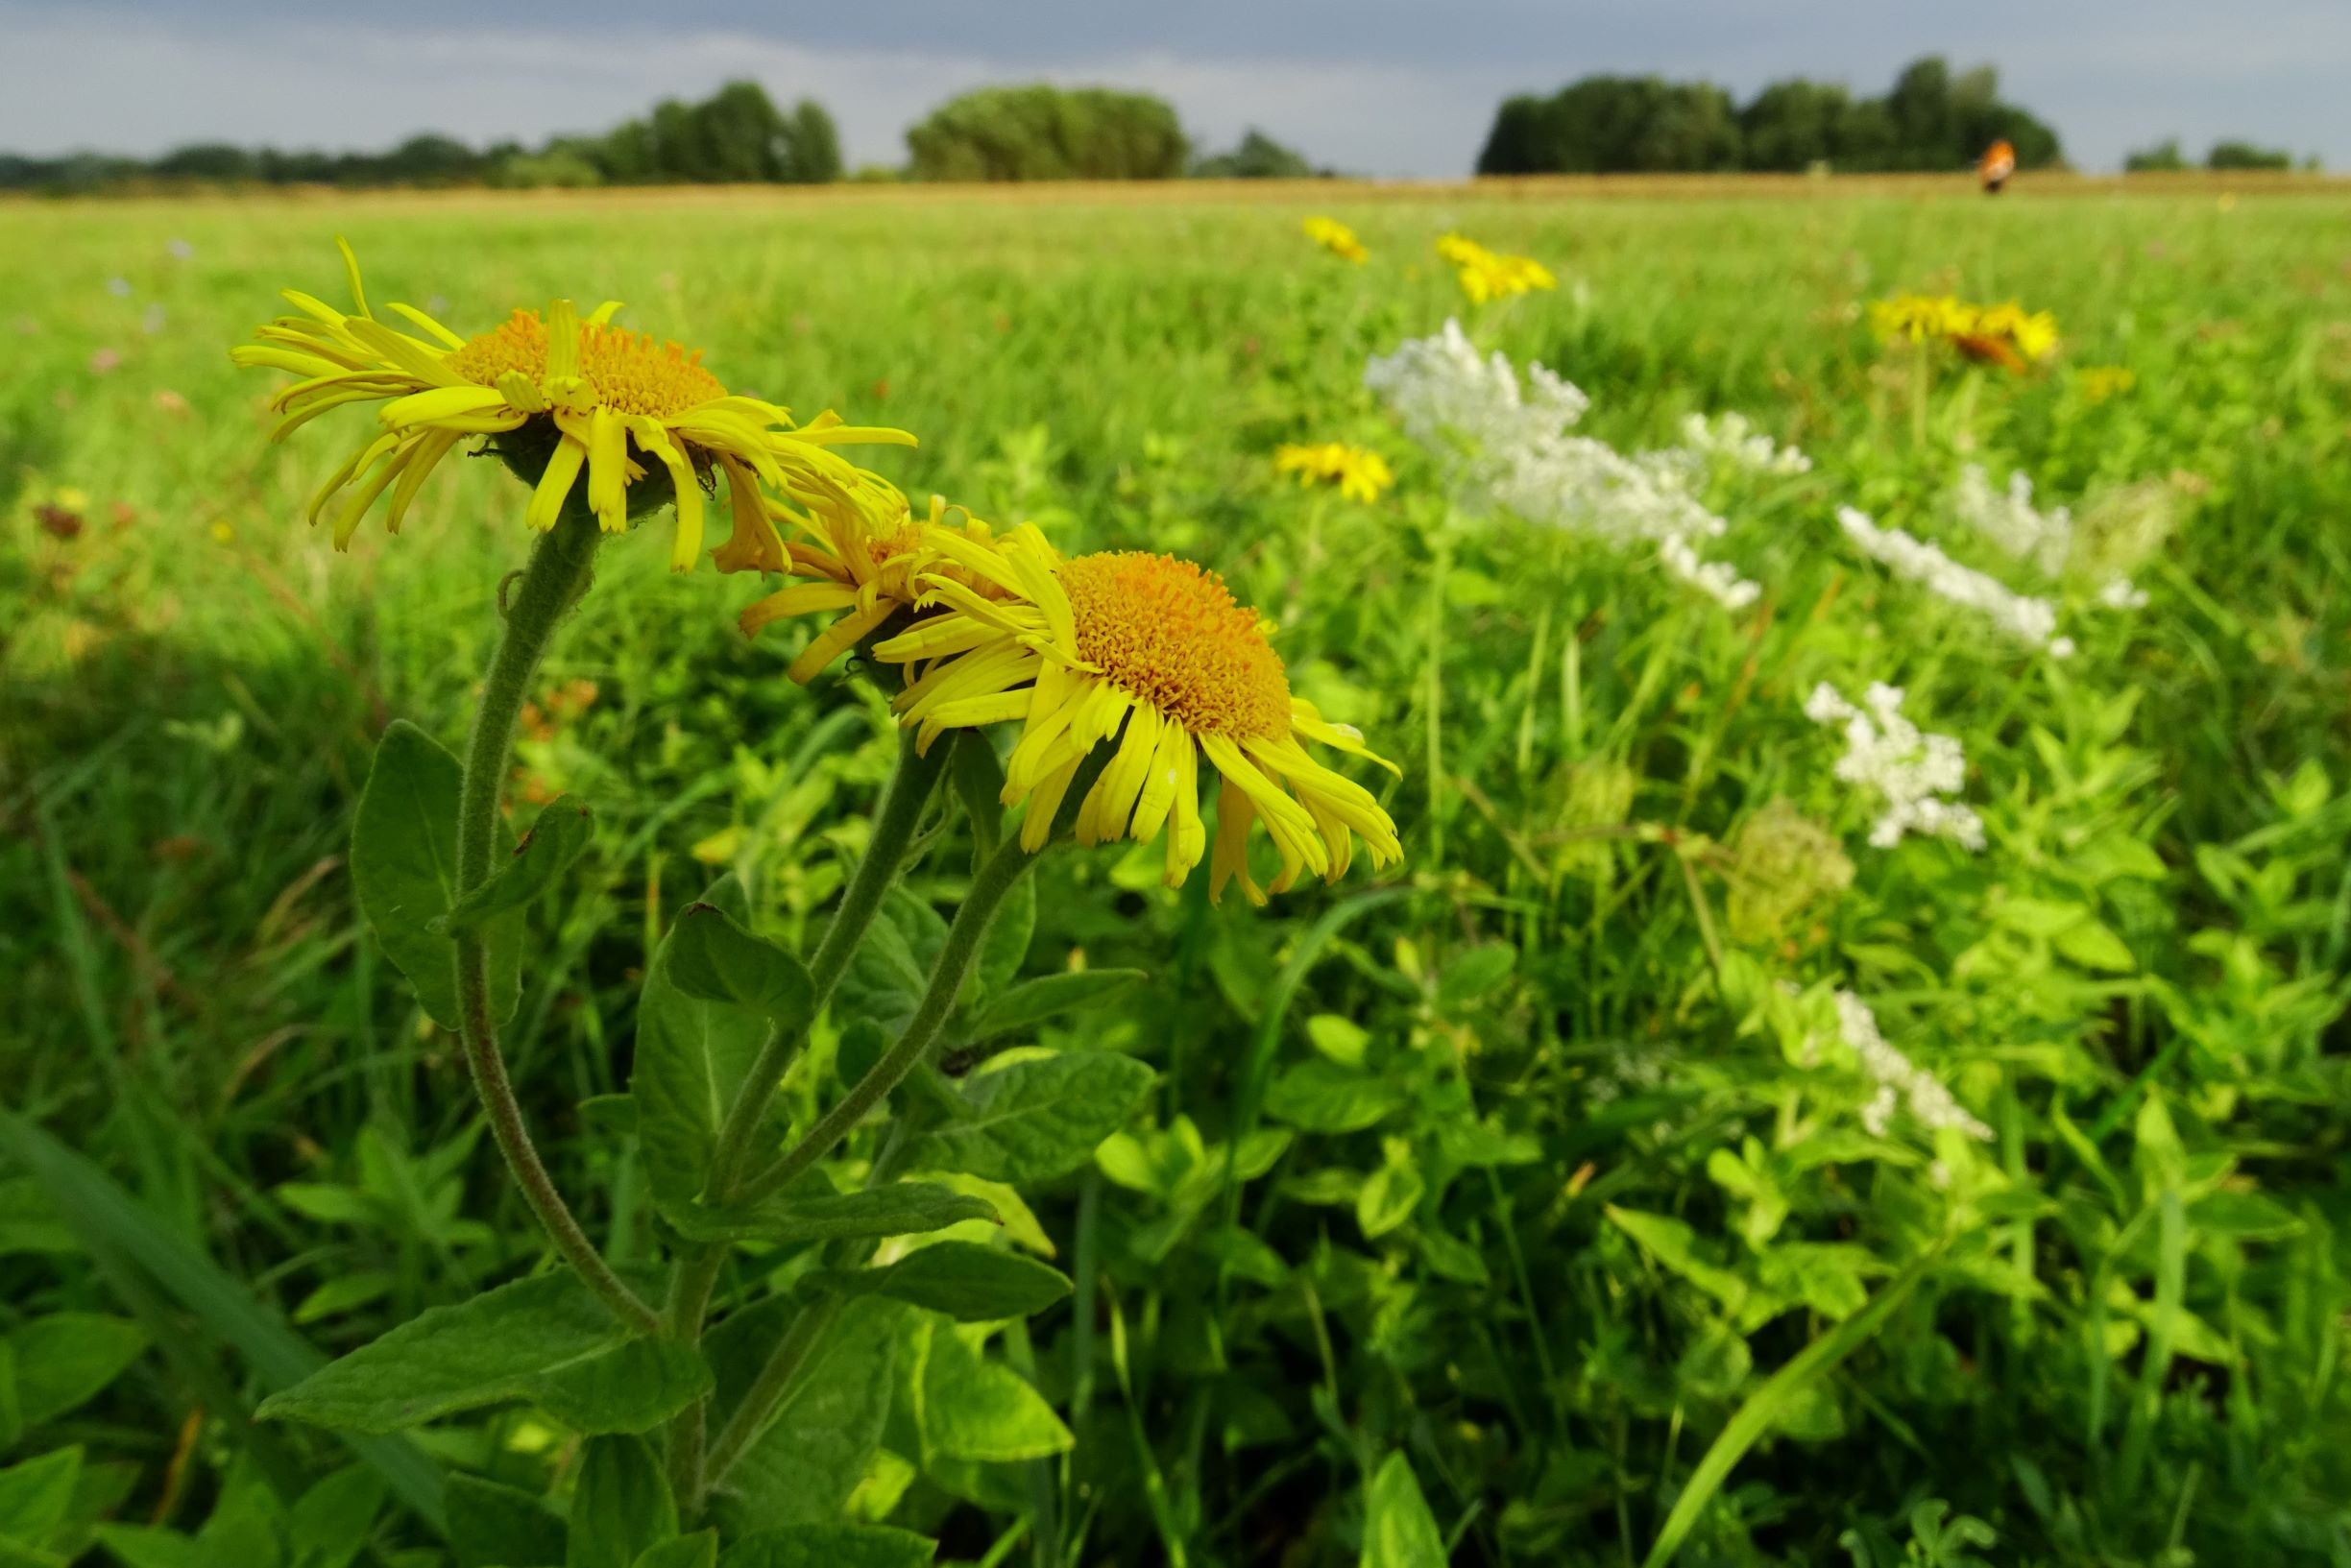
[
  {"x": 1792, "y": 125},
  {"x": 2164, "y": 157},
  {"x": 1047, "y": 133},
  {"x": 1259, "y": 157},
  {"x": 1520, "y": 140},
  {"x": 811, "y": 145},
  {"x": 2245, "y": 155},
  {"x": 427, "y": 159},
  {"x": 208, "y": 160}
]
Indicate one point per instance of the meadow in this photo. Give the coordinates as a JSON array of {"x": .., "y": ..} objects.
[{"x": 1530, "y": 1202}]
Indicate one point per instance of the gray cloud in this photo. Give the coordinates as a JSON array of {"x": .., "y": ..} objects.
[{"x": 1383, "y": 86}]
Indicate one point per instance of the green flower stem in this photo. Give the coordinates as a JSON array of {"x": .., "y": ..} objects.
[
  {"x": 903, "y": 801},
  {"x": 560, "y": 570},
  {"x": 997, "y": 877},
  {"x": 901, "y": 811},
  {"x": 766, "y": 1396}
]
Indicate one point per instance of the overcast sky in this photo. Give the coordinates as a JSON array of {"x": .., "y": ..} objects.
[{"x": 1375, "y": 86}]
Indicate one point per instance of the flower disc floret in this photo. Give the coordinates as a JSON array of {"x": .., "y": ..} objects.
[{"x": 1165, "y": 631}]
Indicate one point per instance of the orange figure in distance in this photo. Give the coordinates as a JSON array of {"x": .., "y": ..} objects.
[{"x": 1998, "y": 164}]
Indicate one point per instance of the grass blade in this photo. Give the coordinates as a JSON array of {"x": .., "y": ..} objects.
[{"x": 1817, "y": 1360}]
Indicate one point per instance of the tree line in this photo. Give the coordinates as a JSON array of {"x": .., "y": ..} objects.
[{"x": 1931, "y": 118}]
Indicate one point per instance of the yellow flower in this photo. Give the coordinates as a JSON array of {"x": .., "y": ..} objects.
[
  {"x": 558, "y": 397},
  {"x": 1487, "y": 274},
  {"x": 1077, "y": 649},
  {"x": 1335, "y": 237},
  {"x": 1359, "y": 472},
  {"x": 2008, "y": 334},
  {"x": 867, "y": 571},
  {"x": 2100, "y": 382}
]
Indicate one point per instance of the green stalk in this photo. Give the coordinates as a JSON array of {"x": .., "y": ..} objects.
[
  {"x": 903, "y": 801},
  {"x": 559, "y": 571},
  {"x": 997, "y": 877}
]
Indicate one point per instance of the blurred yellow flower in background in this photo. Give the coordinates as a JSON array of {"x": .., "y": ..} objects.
[
  {"x": 1360, "y": 473},
  {"x": 1335, "y": 237},
  {"x": 2100, "y": 382},
  {"x": 1489, "y": 275},
  {"x": 2005, "y": 334}
]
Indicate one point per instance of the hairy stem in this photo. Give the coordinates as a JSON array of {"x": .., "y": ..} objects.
[
  {"x": 558, "y": 573},
  {"x": 997, "y": 877}
]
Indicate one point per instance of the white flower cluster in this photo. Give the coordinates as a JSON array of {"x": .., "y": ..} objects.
[
  {"x": 1512, "y": 445},
  {"x": 2010, "y": 520},
  {"x": 1900, "y": 1080},
  {"x": 1910, "y": 769},
  {"x": 2030, "y": 619},
  {"x": 1731, "y": 441}
]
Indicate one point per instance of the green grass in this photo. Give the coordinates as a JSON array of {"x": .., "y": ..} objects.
[{"x": 2128, "y": 1349}]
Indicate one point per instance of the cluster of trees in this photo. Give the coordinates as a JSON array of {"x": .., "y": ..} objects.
[
  {"x": 1933, "y": 118},
  {"x": 2165, "y": 157},
  {"x": 735, "y": 134},
  {"x": 1045, "y": 132}
]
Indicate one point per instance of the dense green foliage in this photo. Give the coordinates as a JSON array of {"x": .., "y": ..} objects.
[
  {"x": 1257, "y": 156},
  {"x": 1465, "y": 1216},
  {"x": 1047, "y": 132},
  {"x": 735, "y": 135},
  {"x": 1930, "y": 120},
  {"x": 2165, "y": 157}
]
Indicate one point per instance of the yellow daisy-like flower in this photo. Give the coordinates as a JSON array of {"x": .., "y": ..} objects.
[
  {"x": 1487, "y": 275},
  {"x": 1149, "y": 655},
  {"x": 1360, "y": 473},
  {"x": 2007, "y": 335},
  {"x": 866, "y": 571},
  {"x": 1335, "y": 237},
  {"x": 558, "y": 396}
]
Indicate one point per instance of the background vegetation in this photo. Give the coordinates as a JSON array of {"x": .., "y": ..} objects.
[{"x": 1524, "y": 1166}]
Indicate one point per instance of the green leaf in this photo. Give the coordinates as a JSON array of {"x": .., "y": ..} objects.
[
  {"x": 2094, "y": 945},
  {"x": 491, "y": 1525},
  {"x": 1322, "y": 1096},
  {"x": 332, "y": 1523},
  {"x": 1338, "y": 1037},
  {"x": 1398, "y": 1529},
  {"x": 68, "y": 1357},
  {"x": 693, "y": 1059},
  {"x": 1475, "y": 972},
  {"x": 622, "y": 1506},
  {"x": 12, "y": 1418},
  {"x": 1388, "y": 1199},
  {"x": 536, "y": 864},
  {"x": 802, "y": 1469},
  {"x": 143, "y": 1546},
  {"x": 1005, "y": 943},
  {"x": 1715, "y": 1363},
  {"x": 404, "y": 872},
  {"x": 545, "y": 1339},
  {"x": 36, "y": 1495},
  {"x": 831, "y": 1546},
  {"x": 28, "y": 1222},
  {"x": 970, "y": 1283},
  {"x": 1764, "y": 1408},
  {"x": 1036, "y": 1120},
  {"x": 712, "y": 958},
  {"x": 967, "y": 1406},
  {"x": 1032, "y": 1002},
  {"x": 885, "y": 981},
  {"x": 699, "y": 1550},
  {"x": 902, "y": 1209},
  {"x": 1673, "y": 1245}
]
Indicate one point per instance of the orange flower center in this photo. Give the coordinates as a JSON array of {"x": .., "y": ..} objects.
[
  {"x": 629, "y": 372},
  {"x": 1167, "y": 633}
]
